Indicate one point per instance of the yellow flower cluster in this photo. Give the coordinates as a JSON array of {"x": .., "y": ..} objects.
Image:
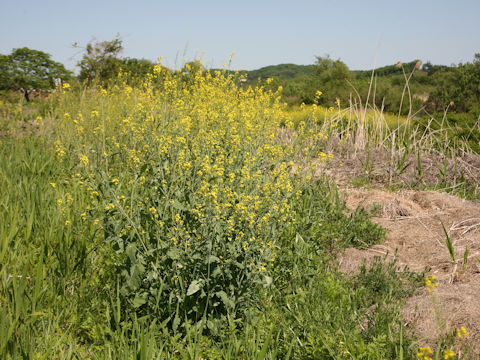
[
  {"x": 83, "y": 159},
  {"x": 431, "y": 283},
  {"x": 59, "y": 149},
  {"x": 425, "y": 353},
  {"x": 186, "y": 158},
  {"x": 448, "y": 354},
  {"x": 461, "y": 332},
  {"x": 325, "y": 157}
]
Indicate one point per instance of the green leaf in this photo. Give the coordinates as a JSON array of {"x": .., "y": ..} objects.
[
  {"x": 29, "y": 225},
  {"x": 135, "y": 279},
  {"x": 176, "y": 322},
  {"x": 132, "y": 252},
  {"x": 173, "y": 254},
  {"x": 238, "y": 265},
  {"x": 212, "y": 259},
  {"x": 448, "y": 241},
  {"x": 228, "y": 302},
  {"x": 177, "y": 205},
  {"x": 194, "y": 287},
  {"x": 263, "y": 351},
  {"x": 465, "y": 258},
  {"x": 139, "y": 300},
  {"x": 216, "y": 272}
]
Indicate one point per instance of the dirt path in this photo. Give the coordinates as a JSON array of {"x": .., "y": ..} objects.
[{"x": 415, "y": 234}]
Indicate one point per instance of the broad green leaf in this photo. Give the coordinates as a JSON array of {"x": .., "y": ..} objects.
[
  {"x": 139, "y": 300},
  {"x": 223, "y": 295},
  {"x": 173, "y": 254},
  {"x": 177, "y": 205},
  {"x": 212, "y": 259},
  {"x": 194, "y": 287}
]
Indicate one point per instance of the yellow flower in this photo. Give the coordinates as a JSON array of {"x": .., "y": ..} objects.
[
  {"x": 431, "y": 283},
  {"x": 461, "y": 332},
  {"x": 110, "y": 207},
  {"x": 67, "y": 223},
  {"x": 448, "y": 354},
  {"x": 425, "y": 352},
  {"x": 83, "y": 159},
  {"x": 53, "y": 184},
  {"x": 157, "y": 69}
]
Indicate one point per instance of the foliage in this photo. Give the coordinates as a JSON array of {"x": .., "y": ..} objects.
[
  {"x": 389, "y": 70},
  {"x": 27, "y": 70},
  {"x": 330, "y": 78},
  {"x": 100, "y": 60},
  {"x": 458, "y": 88},
  {"x": 329, "y": 315},
  {"x": 101, "y": 63}
]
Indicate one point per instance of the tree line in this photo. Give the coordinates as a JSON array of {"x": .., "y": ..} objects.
[{"x": 403, "y": 87}]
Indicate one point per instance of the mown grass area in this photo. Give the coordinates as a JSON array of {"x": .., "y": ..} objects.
[{"x": 182, "y": 219}]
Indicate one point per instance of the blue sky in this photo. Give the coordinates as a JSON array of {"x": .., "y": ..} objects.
[{"x": 262, "y": 32}]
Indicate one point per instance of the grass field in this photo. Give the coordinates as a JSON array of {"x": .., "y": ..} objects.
[{"x": 187, "y": 218}]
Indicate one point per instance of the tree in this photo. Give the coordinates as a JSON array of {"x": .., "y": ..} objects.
[
  {"x": 331, "y": 78},
  {"x": 27, "y": 70},
  {"x": 100, "y": 61},
  {"x": 137, "y": 68},
  {"x": 457, "y": 87}
]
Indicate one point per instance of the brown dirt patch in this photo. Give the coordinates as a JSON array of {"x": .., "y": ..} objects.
[{"x": 416, "y": 238}]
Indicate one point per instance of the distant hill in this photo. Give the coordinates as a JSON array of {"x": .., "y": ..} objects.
[
  {"x": 388, "y": 70},
  {"x": 281, "y": 72},
  {"x": 291, "y": 71}
]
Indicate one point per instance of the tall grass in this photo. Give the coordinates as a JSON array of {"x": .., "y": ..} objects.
[{"x": 395, "y": 150}]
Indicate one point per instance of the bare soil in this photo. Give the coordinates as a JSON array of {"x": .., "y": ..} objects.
[{"x": 416, "y": 239}]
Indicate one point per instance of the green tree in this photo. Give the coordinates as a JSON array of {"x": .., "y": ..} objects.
[
  {"x": 100, "y": 61},
  {"x": 27, "y": 70},
  {"x": 457, "y": 87},
  {"x": 137, "y": 68},
  {"x": 331, "y": 78}
]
